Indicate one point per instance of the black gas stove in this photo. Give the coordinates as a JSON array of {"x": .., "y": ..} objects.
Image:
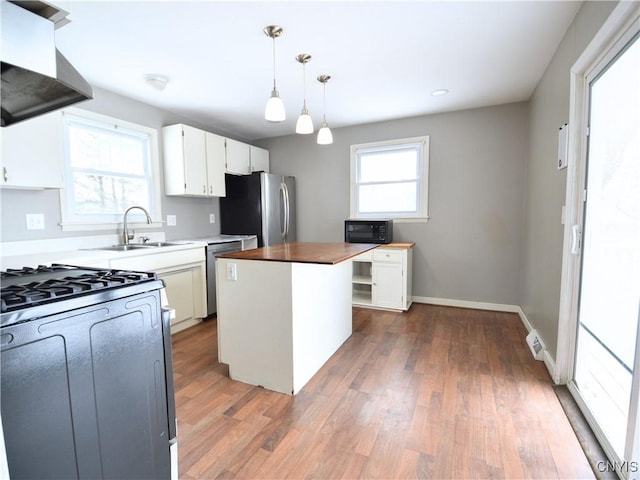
[
  {"x": 86, "y": 360},
  {"x": 27, "y": 288}
]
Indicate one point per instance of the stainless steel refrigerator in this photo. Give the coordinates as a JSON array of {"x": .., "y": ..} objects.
[{"x": 261, "y": 204}]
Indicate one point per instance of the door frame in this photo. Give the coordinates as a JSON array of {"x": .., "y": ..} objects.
[
  {"x": 622, "y": 22},
  {"x": 621, "y": 26}
]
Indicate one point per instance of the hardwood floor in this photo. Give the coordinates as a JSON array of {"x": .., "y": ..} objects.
[{"x": 436, "y": 392}]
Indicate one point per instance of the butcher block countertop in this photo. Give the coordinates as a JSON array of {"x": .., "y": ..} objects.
[
  {"x": 399, "y": 245},
  {"x": 303, "y": 252}
]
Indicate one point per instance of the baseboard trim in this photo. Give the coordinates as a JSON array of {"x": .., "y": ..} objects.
[
  {"x": 447, "y": 302},
  {"x": 548, "y": 360}
]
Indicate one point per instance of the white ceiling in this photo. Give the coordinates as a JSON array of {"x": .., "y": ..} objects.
[{"x": 385, "y": 57}]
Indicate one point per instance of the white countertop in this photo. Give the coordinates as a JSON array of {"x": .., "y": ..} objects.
[
  {"x": 83, "y": 251},
  {"x": 87, "y": 250}
]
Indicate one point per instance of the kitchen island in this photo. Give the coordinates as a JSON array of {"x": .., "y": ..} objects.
[{"x": 284, "y": 310}]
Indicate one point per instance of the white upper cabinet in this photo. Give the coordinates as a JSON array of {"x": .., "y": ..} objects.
[
  {"x": 33, "y": 153},
  {"x": 216, "y": 159},
  {"x": 238, "y": 157},
  {"x": 193, "y": 162},
  {"x": 259, "y": 158}
]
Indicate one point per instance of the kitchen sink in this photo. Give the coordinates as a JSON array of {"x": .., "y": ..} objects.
[
  {"x": 138, "y": 246},
  {"x": 121, "y": 248},
  {"x": 159, "y": 244}
]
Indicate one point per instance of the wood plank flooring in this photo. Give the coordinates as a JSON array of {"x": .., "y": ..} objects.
[{"x": 436, "y": 392}]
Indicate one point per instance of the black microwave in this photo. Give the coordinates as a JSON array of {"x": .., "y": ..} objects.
[{"x": 368, "y": 231}]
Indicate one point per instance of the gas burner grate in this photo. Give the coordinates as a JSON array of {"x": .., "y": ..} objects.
[{"x": 22, "y": 288}]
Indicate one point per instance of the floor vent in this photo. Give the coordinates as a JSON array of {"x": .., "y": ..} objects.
[{"x": 535, "y": 345}]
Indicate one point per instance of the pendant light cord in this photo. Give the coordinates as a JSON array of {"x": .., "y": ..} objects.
[
  {"x": 304, "y": 85},
  {"x": 274, "y": 62},
  {"x": 324, "y": 102}
]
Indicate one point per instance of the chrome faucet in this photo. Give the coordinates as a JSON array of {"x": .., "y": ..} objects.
[{"x": 125, "y": 232}]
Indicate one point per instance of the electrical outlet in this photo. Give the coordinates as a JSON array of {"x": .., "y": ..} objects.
[
  {"x": 171, "y": 220},
  {"x": 35, "y": 221},
  {"x": 212, "y": 218},
  {"x": 232, "y": 272}
]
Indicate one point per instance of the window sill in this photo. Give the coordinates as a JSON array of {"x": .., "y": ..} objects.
[
  {"x": 395, "y": 219},
  {"x": 411, "y": 220}
]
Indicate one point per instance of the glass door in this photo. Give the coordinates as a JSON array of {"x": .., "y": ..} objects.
[{"x": 606, "y": 372}]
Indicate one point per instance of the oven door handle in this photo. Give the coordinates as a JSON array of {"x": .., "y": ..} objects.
[{"x": 168, "y": 367}]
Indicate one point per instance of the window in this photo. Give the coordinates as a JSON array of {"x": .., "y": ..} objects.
[
  {"x": 390, "y": 179},
  {"x": 110, "y": 165}
]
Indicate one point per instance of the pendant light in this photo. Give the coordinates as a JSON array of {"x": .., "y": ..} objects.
[
  {"x": 304, "y": 124},
  {"x": 324, "y": 134},
  {"x": 274, "y": 111}
]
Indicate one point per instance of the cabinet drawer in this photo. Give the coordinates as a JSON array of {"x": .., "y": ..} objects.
[{"x": 387, "y": 255}]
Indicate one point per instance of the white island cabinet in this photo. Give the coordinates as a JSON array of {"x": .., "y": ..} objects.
[
  {"x": 382, "y": 278},
  {"x": 283, "y": 311}
]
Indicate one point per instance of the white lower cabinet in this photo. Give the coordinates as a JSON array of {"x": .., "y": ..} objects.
[
  {"x": 387, "y": 285},
  {"x": 180, "y": 294},
  {"x": 382, "y": 277},
  {"x": 184, "y": 276}
]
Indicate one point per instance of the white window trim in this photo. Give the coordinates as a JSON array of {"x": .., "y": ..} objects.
[
  {"x": 424, "y": 178},
  {"x": 154, "y": 157}
]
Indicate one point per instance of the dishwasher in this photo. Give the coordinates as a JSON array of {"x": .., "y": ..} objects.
[{"x": 213, "y": 250}]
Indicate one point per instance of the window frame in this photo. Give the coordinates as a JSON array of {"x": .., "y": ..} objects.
[
  {"x": 69, "y": 221},
  {"x": 422, "y": 193}
]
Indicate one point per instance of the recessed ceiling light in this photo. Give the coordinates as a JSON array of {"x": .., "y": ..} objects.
[
  {"x": 159, "y": 82},
  {"x": 439, "y": 92}
]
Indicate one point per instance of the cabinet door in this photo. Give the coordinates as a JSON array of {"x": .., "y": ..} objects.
[
  {"x": 259, "y": 159},
  {"x": 195, "y": 167},
  {"x": 387, "y": 285},
  {"x": 180, "y": 293},
  {"x": 215, "y": 165},
  {"x": 238, "y": 157},
  {"x": 33, "y": 153}
]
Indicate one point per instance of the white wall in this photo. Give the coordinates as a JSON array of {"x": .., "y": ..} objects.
[
  {"x": 545, "y": 187},
  {"x": 470, "y": 249}
]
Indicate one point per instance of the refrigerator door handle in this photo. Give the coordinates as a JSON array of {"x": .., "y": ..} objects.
[{"x": 287, "y": 210}]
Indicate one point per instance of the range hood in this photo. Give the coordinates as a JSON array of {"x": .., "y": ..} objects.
[{"x": 36, "y": 78}]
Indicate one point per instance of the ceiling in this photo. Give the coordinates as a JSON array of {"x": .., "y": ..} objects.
[{"x": 384, "y": 57}]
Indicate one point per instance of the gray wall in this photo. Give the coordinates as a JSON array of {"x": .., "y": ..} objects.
[
  {"x": 470, "y": 249},
  {"x": 483, "y": 243},
  {"x": 192, "y": 213},
  {"x": 546, "y": 186}
]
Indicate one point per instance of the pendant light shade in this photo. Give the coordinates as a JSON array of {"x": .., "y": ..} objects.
[
  {"x": 325, "y": 137},
  {"x": 274, "y": 111},
  {"x": 304, "y": 124}
]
